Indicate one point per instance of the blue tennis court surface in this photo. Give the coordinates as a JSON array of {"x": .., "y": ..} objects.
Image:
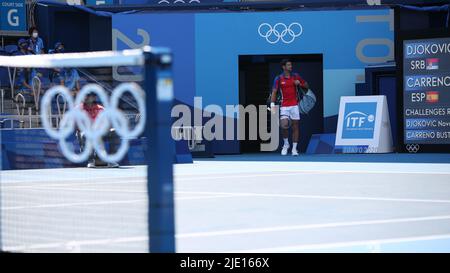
[
  {"x": 225, "y": 205},
  {"x": 381, "y": 158}
]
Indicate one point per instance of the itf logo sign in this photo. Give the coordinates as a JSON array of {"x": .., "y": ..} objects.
[
  {"x": 13, "y": 15},
  {"x": 363, "y": 125},
  {"x": 359, "y": 120}
]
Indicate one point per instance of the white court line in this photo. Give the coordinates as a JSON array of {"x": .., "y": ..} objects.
[
  {"x": 63, "y": 205},
  {"x": 177, "y": 179},
  {"x": 143, "y": 180},
  {"x": 44, "y": 177},
  {"x": 205, "y": 177},
  {"x": 140, "y": 180},
  {"x": 332, "y": 197},
  {"x": 65, "y": 245},
  {"x": 290, "y": 172},
  {"x": 202, "y": 197},
  {"x": 74, "y": 244},
  {"x": 217, "y": 195},
  {"x": 369, "y": 243},
  {"x": 214, "y": 195},
  {"x": 90, "y": 189},
  {"x": 310, "y": 226},
  {"x": 61, "y": 185}
]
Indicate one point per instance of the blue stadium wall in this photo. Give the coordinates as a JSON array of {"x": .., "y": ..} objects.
[
  {"x": 307, "y": 3},
  {"x": 207, "y": 46},
  {"x": 34, "y": 149}
]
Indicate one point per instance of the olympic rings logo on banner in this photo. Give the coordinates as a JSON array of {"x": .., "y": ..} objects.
[
  {"x": 412, "y": 148},
  {"x": 111, "y": 116},
  {"x": 280, "y": 31},
  {"x": 180, "y": 2}
]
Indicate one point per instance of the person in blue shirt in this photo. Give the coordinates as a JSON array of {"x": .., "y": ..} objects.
[
  {"x": 58, "y": 74},
  {"x": 35, "y": 42},
  {"x": 72, "y": 80},
  {"x": 68, "y": 77},
  {"x": 36, "y": 46},
  {"x": 23, "y": 74}
]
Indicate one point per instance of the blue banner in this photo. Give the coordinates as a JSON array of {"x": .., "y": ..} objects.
[
  {"x": 99, "y": 2},
  {"x": 13, "y": 16}
]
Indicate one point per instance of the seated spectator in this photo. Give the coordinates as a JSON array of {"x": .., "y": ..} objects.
[
  {"x": 24, "y": 75},
  {"x": 23, "y": 48},
  {"x": 68, "y": 77},
  {"x": 59, "y": 48},
  {"x": 72, "y": 80}
]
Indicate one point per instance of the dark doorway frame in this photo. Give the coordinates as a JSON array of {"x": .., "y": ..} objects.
[{"x": 256, "y": 75}]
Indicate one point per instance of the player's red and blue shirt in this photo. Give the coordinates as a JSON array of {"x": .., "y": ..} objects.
[
  {"x": 92, "y": 110},
  {"x": 288, "y": 89}
]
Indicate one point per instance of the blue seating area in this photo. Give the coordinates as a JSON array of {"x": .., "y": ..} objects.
[
  {"x": 11, "y": 49},
  {"x": 33, "y": 148},
  {"x": 4, "y": 78},
  {"x": 9, "y": 123}
]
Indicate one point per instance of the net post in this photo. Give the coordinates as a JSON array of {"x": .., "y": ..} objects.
[
  {"x": 161, "y": 150},
  {"x": 1, "y": 168}
]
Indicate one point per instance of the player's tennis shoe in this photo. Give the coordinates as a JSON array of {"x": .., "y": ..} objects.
[
  {"x": 294, "y": 152},
  {"x": 113, "y": 165},
  {"x": 284, "y": 151}
]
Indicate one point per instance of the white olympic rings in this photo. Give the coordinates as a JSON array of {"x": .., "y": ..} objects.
[
  {"x": 412, "y": 148},
  {"x": 111, "y": 116},
  {"x": 179, "y": 2},
  {"x": 280, "y": 31}
]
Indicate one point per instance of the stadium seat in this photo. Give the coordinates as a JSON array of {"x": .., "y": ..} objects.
[
  {"x": 8, "y": 123},
  {"x": 4, "y": 78},
  {"x": 11, "y": 49}
]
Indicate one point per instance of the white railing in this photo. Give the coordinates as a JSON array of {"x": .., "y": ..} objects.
[
  {"x": 24, "y": 102},
  {"x": 31, "y": 121},
  {"x": 2, "y": 105},
  {"x": 36, "y": 85}
]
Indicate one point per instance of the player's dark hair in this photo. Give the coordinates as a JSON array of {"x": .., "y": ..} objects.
[{"x": 285, "y": 61}]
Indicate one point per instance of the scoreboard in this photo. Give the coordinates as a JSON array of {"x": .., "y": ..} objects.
[{"x": 426, "y": 91}]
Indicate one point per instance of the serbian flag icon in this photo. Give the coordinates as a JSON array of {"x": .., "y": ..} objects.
[
  {"x": 432, "y": 96},
  {"x": 432, "y": 64}
]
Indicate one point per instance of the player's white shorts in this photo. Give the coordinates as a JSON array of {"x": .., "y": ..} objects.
[{"x": 291, "y": 112}]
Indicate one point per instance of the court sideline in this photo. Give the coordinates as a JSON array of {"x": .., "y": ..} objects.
[{"x": 226, "y": 206}]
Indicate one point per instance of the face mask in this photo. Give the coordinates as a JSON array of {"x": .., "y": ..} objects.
[{"x": 35, "y": 34}]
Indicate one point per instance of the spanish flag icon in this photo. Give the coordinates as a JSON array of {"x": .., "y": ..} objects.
[{"x": 432, "y": 96}]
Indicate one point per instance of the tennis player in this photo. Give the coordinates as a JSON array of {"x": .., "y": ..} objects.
[
  {"x": 287, "y": 83},
  {"x": 93, "y": 109}
]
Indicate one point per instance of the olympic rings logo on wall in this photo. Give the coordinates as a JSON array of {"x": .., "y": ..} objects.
[
  {"x": 111, "y": 116},
  {"x": 280, "y": 32}
]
